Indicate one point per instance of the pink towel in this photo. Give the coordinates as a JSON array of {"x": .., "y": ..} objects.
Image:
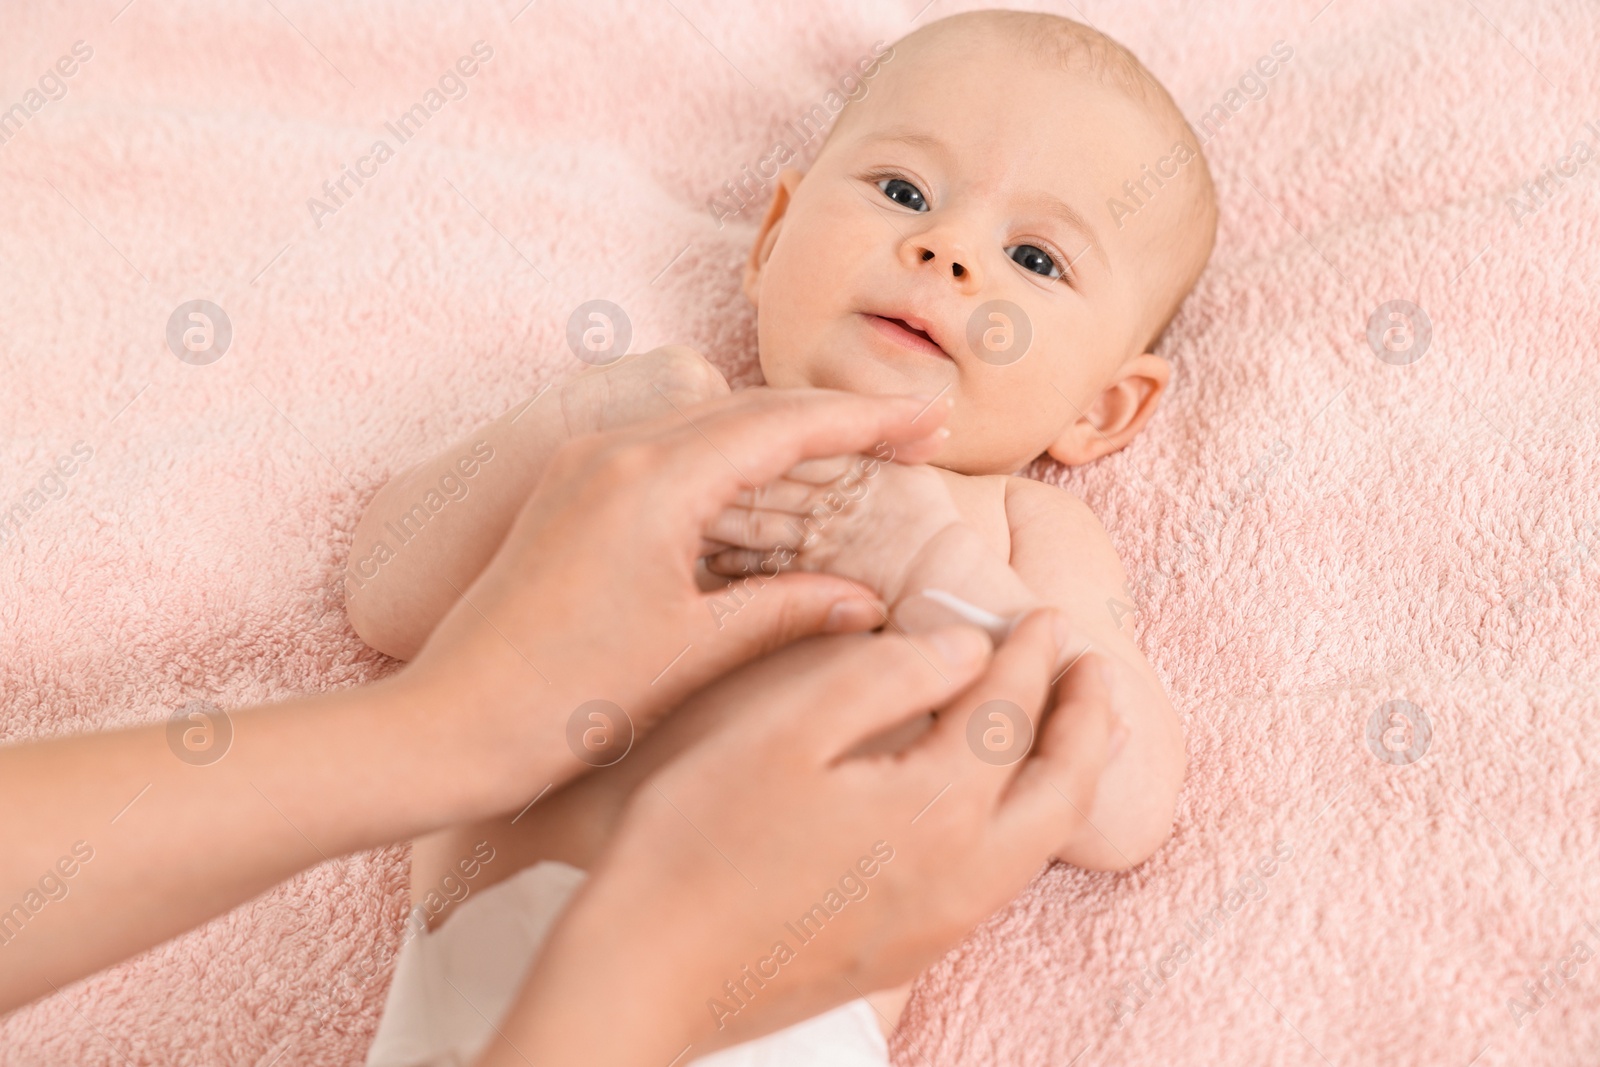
[{"x": 1314, "y": 533}]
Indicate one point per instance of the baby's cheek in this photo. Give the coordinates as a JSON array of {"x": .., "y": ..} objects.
[
  {"x": 779, "y": 329},
  {"x": 781, "y": 368}
]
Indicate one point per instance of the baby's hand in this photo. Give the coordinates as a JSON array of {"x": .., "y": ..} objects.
[{"x": 861, "y": 517}]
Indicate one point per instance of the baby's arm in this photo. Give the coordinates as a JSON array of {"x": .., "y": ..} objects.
[
  {"x": 902, "y": 533},
  {"x": 430, "y": 531},
  {"x": 1063, "y": 554}
]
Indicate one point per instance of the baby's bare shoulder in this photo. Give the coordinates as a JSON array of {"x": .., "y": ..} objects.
[
  {"x": 1044, "y": 518},
  {"x": 1024, "y": 519},
  {"x": 1030, "y": 503}
]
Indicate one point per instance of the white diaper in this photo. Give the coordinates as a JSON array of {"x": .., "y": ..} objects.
[{"x": 453, "y": 985}]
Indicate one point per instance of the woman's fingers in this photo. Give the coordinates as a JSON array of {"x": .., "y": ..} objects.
[
  {"x": 784, "y": 494},
  {"x": 758, "y": 530},
  {"x": 990, "y": 730},
  {"x": 1054, "y": 788},
  {"x": 882, "y": 681},
  {"x": 813, "y": 482},
  {"x": 739, "y": 562},
  {"x": 755, "y": 436},
  {"x": 774, "y": 610}
]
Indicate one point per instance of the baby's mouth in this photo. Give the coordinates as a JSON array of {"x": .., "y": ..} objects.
[
  {"x": 906, "y": 334},
  {"x": 904, "y": 325}
]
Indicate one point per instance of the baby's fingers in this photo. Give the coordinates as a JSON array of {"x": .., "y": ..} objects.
[
  {"x": 796, "y": 498},
  {"x": 756, "y": 529},
  {"x": 803, "y": 485},
  {"x": 826, "y": 471}
]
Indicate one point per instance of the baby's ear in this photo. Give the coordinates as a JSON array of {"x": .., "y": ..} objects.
[
  {"x": 767, "y": 236},
  {"x": 1117, "y": 414}
]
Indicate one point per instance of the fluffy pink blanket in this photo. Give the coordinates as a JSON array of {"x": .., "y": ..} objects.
[{"x": 1369, "y": 582}]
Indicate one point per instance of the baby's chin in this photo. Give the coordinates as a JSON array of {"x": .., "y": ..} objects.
[{"x": 866, "y": 376}]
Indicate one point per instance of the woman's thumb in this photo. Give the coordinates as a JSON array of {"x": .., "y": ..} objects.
[{"x": 757, "y": 614}]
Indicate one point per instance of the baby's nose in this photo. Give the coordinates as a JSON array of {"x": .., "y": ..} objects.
[{"x": 956, "y": 269}]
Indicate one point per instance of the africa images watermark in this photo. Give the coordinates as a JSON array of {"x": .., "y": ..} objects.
[
  {"x": 750, "y": 187},
  {"x": 410, "y": 524},
  {"x": 1137, "y": 992},
  {"x": 1552, "y": 977},
  {"x": 852, "y": 886},
  {"x": 1399, "y": 732},
  {"x": 452, "y": 85},
  {"x": 52, "y": 87},
  {"x": 199, "y": 733},
  {"x": 53, "y": 888},
  {"x": 452, "y": 888},
  {"x": 49, "y": 486},
  {"x": 1252, "y": 86},
  {"x": 1552, "y": 180}
]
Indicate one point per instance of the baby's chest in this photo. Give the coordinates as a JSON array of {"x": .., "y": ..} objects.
[{"x": 981, "y": 499}]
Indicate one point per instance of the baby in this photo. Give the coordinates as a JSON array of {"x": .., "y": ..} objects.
[{"x": 955, "y": 238}]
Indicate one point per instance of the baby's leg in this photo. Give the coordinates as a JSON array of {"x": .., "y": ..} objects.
[{"x": 568, "y": 825}]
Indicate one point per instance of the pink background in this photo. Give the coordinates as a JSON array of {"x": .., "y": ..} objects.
[{"x": 1422, "y": 532}]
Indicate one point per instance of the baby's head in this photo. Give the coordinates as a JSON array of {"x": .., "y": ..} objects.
[{"x": 976, "y": 195}]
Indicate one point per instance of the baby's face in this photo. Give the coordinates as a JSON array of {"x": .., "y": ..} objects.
[{"x": 965, "y": 197}]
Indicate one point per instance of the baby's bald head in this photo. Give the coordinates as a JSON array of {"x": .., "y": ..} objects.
[{"x": 957, "y": 234}]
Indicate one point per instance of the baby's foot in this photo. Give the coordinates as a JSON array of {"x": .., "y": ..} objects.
[{"x": 638, "y": 387}]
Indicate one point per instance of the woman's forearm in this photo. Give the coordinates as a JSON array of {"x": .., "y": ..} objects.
[{"x": 118, "y": 841}]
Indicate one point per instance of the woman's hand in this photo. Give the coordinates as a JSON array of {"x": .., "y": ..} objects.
[
  {"x": 589, "y": 624},
  {"x": 476, "y": 725},
  {"x": 767, "y": 874}
]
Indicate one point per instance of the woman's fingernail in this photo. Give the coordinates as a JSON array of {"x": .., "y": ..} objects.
[
  {"x": 958, "y": 645},
  {"x": 848, "y": 616}
]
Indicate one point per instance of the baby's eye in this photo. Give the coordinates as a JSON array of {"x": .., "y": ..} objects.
[
  {"x": 903, "y": 193},
  {"x": 1034, "y": 259}
]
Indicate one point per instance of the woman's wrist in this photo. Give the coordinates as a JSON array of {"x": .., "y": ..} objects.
[{"x": 498, "y": 751}]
